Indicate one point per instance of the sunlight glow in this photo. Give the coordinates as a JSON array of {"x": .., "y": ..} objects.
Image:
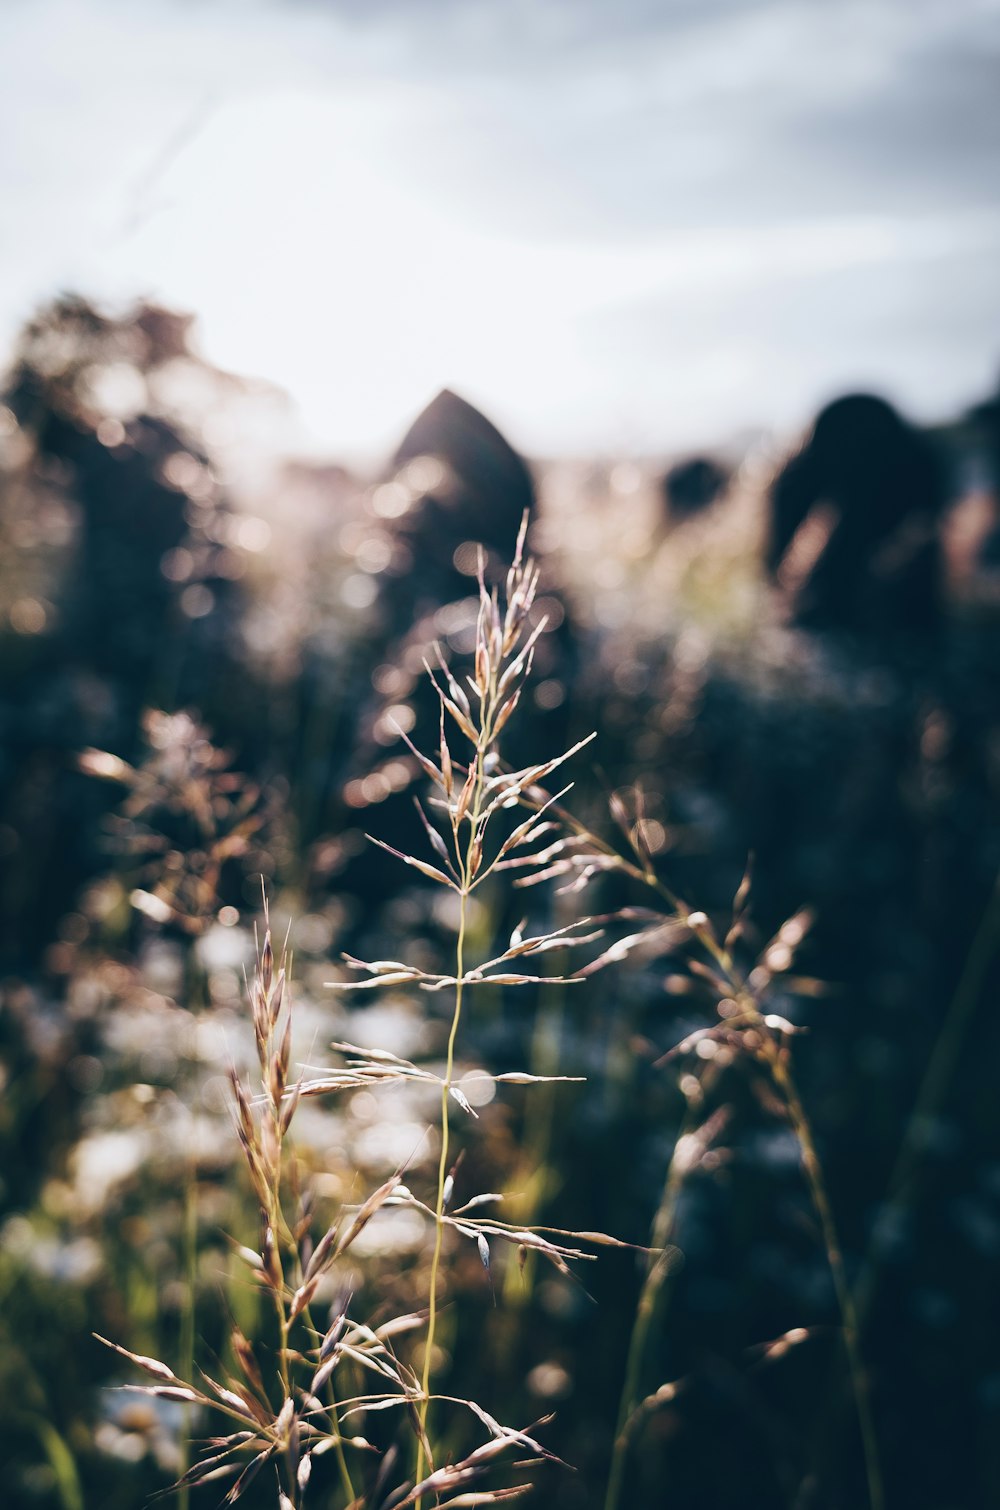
[{"x": 286, "y": 223}]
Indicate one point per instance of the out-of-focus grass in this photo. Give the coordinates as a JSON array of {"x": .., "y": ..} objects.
[{"x": 864, "y": 787}]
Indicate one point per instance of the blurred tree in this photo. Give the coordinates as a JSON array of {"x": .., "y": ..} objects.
[{"x": 118, "y": 589}]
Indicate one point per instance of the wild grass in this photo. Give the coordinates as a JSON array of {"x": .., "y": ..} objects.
[
  {"x": 667, "y": 649},
  {"x": 485, "y": 818},
  {"x": 326, "y": 1369},
  {"x": 745, "y": 1026}
]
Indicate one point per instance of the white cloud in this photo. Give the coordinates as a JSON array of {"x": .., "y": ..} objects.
[{"x": 558, "y": 207}]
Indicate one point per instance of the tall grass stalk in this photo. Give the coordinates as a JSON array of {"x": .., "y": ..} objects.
[
  {"x": 504, "y": 653},
  {"x": 658, "y": 1270},
  {"x": 187, "y": 1330},
  {"x": 446, "y": 1086},
  {"x": 747, "y": 1026},
  {"x": 478, "y": 830},
  {"x": 776, "y": 1059}
]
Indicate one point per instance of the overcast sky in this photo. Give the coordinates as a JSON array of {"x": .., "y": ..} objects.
[{"x": 617, "y": 227}]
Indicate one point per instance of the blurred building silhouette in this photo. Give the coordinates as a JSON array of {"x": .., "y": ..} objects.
[
  {"x": 691, "y": 486},
  {"x": 469, "y": 486},
  {"x": 853, "y": 527},
  {"x": 454, "y": 489}
]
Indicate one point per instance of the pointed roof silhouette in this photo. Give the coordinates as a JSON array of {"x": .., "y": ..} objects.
[{"x": 490, "y": 469}]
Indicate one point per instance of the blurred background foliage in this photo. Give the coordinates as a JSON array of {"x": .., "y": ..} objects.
[{"x": 202, "y": 684}]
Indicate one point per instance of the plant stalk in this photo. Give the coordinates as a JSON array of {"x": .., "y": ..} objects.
[
  {"x": 845, "y": 1299},
  {"x": 442, "y": 1177}
]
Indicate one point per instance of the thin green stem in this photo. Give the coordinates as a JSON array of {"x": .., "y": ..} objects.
[
  {"x": 817, "y": 1186},
  {"x": 280, "y": 1234},
  {"x": 466, "y": 864},
  {"x": 442, "y": 1177},
  {"x": 656, "y": 1274},
  {"x": 845, "y": 1300},
  {"x": 782, "y": 1076},
  {"x": 283, "y": 1351},
  {"x": 188, "y": 1312},
  {"x": 286, "y": 1387},
  {"x": 338, "y": 1444},
  {"x": 338, "y": 1448}
]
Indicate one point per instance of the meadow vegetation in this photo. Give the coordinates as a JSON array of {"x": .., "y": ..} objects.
[{"x": 412, "y": 1095}]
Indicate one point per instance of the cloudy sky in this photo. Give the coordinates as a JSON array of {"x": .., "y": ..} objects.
[{"x": 617, "y": 227}]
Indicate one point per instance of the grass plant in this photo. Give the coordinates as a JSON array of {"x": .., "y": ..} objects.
[
  {"x": 485, "y": 820},
  {"x": 746, "y": 1025},
  {"x": 294, "y": 1408}
]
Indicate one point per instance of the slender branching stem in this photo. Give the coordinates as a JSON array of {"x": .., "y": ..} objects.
[
  {"x": 439, "y": 1204},
  {"x": 772, "y": 1053},
  {"x": 656, "y": 1274},
  {"x": 776, "y": 1058},
  {"x": 285, "y": 1376},
  {"x": 466, "y": 873},
  {"x": 338, "y": 1445},
  {"x": 782, "y": 1076},
  {"x": 188, "y": 1310}
]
